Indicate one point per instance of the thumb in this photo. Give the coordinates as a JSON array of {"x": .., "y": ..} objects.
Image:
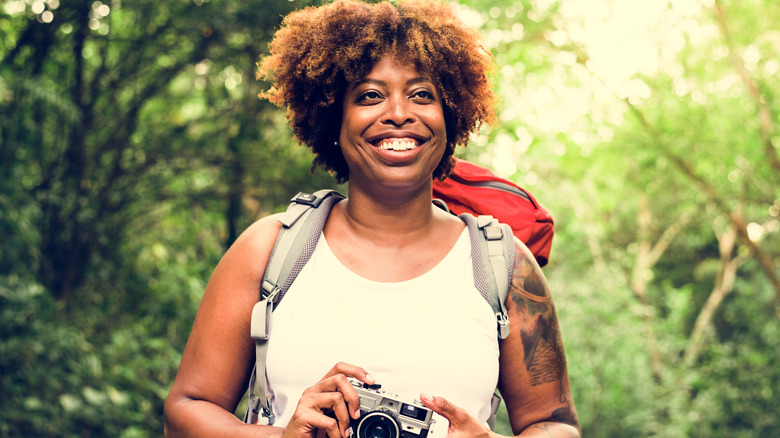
[{"x": 443, "y": 407}]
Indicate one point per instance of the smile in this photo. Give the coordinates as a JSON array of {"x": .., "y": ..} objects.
[{"x": 397, "y": 144}]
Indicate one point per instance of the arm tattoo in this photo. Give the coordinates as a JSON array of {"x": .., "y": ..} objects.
[
  {"x": 544, "y": 357},
  {"x": 540, "y": 335}
]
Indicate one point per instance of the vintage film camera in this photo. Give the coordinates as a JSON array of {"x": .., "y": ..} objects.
[{"x": 384, "y": 415}]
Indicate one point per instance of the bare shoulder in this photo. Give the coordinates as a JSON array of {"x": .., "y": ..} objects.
[
  {"x": 528, "y": 282},
  {"x": 253, "y": 247},
  {"x": 258, "y": 236},
  {"x": 235, "y": 283}
]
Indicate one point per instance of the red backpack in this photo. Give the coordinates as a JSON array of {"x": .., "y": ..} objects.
[{"x": 473, "y": 189}]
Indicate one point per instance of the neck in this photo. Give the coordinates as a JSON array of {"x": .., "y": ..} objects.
[{"x": 389, "y": 214}]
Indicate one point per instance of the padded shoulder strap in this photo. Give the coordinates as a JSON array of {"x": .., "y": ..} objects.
[
  {"x": 493, "y": 255},
  {"x": 302, "y": 225}
]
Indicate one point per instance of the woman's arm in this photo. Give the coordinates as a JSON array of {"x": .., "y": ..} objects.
[
  {"x": 533, "y": 377},
  {"x": 219, "y": 354}
]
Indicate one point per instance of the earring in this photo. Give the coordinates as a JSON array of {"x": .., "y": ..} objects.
[{"x": 336, "y": 143}]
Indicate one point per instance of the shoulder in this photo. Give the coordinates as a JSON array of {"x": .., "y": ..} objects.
[
  {"x": 240, "y": 271},
  {"x": 261, "y": 231},
  {"x": 528, "y": 281},
  {"x": 253, "y": 247}
]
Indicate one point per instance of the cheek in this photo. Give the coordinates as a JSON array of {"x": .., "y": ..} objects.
[
  {"x": 441, "y": 129},
  {"x": 354, "y": 123},
  {"x": 449, "y": 123}
]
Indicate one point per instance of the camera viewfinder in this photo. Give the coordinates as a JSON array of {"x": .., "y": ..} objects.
[{"x": 413, "y": 412}]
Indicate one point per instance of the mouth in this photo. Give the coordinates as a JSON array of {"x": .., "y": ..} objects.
[{"x": 403, "y": 142}]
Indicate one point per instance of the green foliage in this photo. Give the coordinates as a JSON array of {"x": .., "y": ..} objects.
[
  {"x": 649, "y": 129},
  {"x": 58, "y": 375},
  {"x": 133, "y": 150}
]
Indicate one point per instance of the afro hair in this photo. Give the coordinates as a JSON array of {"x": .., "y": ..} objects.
[{"x": 319, "y": 51}]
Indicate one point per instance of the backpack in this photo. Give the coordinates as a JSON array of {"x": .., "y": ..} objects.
[
  {"x": 473, "y": 189},
  {"x": 492, "y": 248}
]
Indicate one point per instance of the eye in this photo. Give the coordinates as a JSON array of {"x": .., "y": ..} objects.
[
  {"x": 368, "y": 97},
  {"x": 423, "y": 95}
]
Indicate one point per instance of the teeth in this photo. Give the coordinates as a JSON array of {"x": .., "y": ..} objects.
[{"x": 398, "y": 145}]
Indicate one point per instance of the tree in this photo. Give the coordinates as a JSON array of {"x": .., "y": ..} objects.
[
  {"x": 104, "y": 106},
  {"x": 134, "y": 149},
  {"x": 649, "y": 130}
]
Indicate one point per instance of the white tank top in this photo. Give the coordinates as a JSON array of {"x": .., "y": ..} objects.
[{"x": 434, "y": 334}]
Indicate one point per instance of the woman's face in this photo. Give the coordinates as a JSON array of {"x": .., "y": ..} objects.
[{"x": 393, "y": 131}]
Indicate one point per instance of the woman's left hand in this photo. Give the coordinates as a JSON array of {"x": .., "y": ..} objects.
[{"x": 462, "y": 425}]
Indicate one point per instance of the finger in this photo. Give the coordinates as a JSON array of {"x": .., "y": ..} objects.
[
  {"x": 306, "y": 421},
  {"x": 342, "y": 414},
  {"x": 351, "y": 397},
  {"x": 443, "y": 407},
  {"x": 334, "y": 432},
  {"x": 331, "y": 404},
  {"x": 339, "y": 383},
  {"x": 329, "y": 430},
  {"x": 350, "y": 370}
]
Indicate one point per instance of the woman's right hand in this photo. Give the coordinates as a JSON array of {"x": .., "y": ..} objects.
[{"x": 326, "y": 408}]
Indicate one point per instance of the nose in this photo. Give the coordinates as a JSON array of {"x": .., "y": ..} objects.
[{"x": 398, "y": 111}]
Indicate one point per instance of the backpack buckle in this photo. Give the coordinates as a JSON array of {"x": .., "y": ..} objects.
[
  {"x": 257, "y": 413},
  {"x": 489, "y": 225},
  {"x": 503, "y": 324},
  {"x": 306, "y": 199},
  {"x": 268, "y": 290},
  {"x": 268, "y": 414}
]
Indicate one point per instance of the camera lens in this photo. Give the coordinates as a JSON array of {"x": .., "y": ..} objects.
[
  {"x": 377, "y": 425},
  {"x": 378, "y": 431}
]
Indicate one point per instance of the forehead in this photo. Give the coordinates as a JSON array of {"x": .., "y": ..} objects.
[{"x": 394, "y": 68}]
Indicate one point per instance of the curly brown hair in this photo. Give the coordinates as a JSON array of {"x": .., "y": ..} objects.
[{"x": 318, "y": 51}]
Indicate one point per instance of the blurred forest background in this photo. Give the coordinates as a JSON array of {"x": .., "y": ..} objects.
[{"x": 133, "y": 150}]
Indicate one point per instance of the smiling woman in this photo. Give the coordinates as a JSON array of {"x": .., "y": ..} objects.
[
  {"x": 382, "y": 94},
  {"x": 319, "y": 51},
  {"x": 393, "y": 118}
]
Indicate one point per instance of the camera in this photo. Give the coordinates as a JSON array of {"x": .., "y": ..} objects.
[{"x": 385, "y": 415}]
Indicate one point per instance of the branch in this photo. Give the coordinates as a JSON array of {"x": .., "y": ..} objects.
[
  {"x": 646, "y": 257},
  {"x": 734, "y": 217},
  {"x": 724, "y": 284},
  {"x": 714, "y": 195},
  {"x": 765, "y": 124},
  {"x": 649, "y": 255}
]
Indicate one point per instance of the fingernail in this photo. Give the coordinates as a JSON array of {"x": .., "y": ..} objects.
[
  {"x": 370, "y": 378},
  {"x": 357, "y": 414},
  {"x": 426, "y": 397}
]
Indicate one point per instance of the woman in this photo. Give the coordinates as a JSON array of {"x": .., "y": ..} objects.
[{"x": 382, "y": 94}]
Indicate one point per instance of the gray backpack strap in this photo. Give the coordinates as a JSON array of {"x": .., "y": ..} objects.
[
  {"x": 493, "y": 255},
  {"x": 302, "y": 225}
]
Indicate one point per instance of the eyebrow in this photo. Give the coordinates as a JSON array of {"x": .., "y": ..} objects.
[{"x": 416, "y": 80}]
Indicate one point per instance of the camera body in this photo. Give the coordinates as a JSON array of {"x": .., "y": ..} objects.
[{"x": 385, "y": 415}]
